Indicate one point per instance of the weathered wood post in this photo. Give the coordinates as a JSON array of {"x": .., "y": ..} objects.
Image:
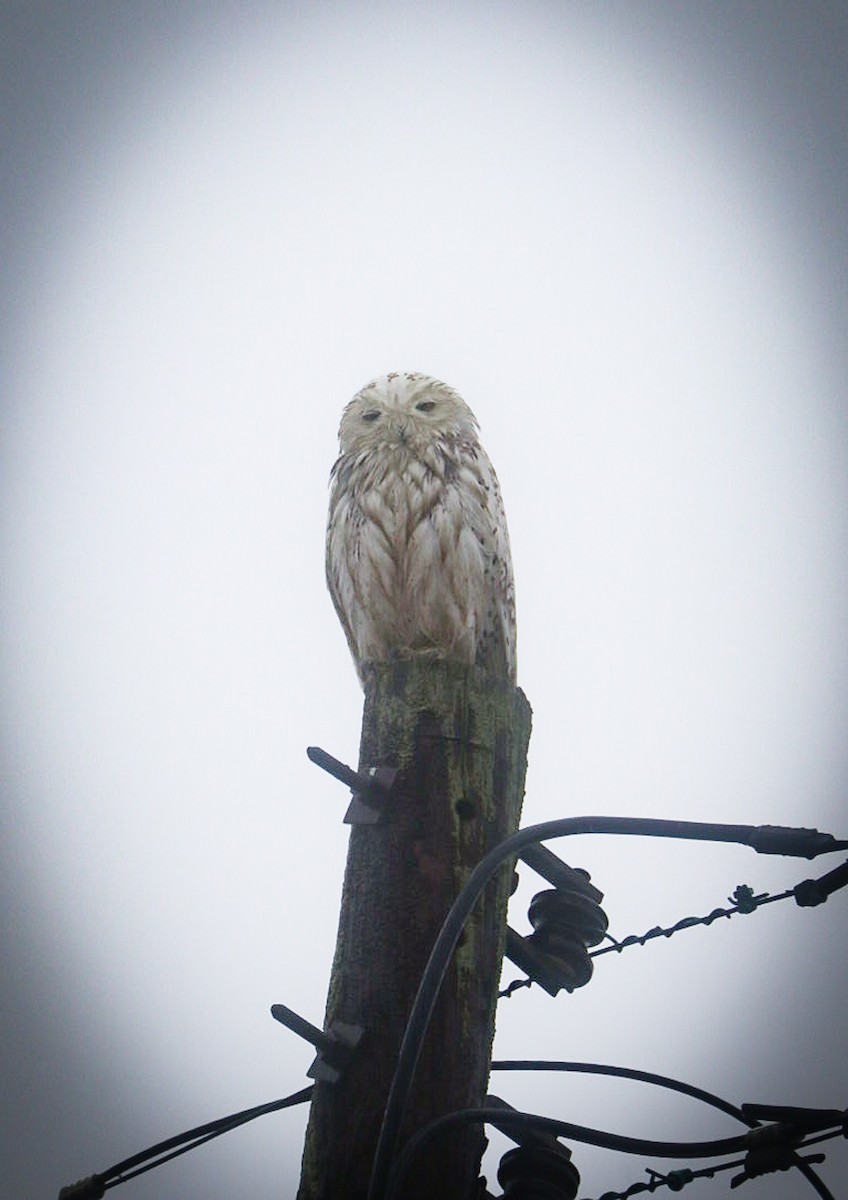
[{"x": 460, "y": 743}]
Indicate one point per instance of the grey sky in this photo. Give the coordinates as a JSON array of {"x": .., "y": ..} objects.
[{"x": 618, "y": 230}]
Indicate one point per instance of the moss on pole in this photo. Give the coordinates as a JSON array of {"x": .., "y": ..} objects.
[{"x": 459, "y": 742}]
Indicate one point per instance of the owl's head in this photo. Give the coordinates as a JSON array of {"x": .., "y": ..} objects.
[{"x": 404, "y": 407}]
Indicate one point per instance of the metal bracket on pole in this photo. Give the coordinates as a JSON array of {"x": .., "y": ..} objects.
[
  {"x": 371, "y": 788},
  {"x": 335, "y": 1047},
  {"x": 545, "y": 863}
]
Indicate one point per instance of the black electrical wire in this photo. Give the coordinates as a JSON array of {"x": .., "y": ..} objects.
[
  {"x": 815, "y": 1181},
  {"x": 765, "y": 839},
  {"x": 806, "y": 894},
  {"x": 677, "y": 1180},
  {"x": 95, "y": 1185},
  {"x": 125, "y": 1177},
  {"x": 209, "y": 1130},
  {"x": 504, "y": 1118},
  {"x": 675, "y": 1085}
]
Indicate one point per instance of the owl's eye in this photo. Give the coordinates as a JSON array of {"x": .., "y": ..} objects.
[
  {"x": 426, "y": 405},
  {"x": 371, "y": 416}
]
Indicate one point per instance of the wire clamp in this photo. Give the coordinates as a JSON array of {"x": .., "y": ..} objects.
[
  {"x": 744, "y": 899},
  {"x": 90, "y": 1188},
  {"x": 774, "y": 1147},
  {"x": 811, "y": 892},
  {"x": 370, "y": 788},
  {"x": 675, "y": 1181},
  {"x": 335, "y": 1047}
]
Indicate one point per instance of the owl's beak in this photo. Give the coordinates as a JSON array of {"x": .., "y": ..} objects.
[{"x": 400, "y": 428}]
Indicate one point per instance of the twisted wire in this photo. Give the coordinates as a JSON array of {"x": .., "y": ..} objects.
[{"x": 744, "y": 901}]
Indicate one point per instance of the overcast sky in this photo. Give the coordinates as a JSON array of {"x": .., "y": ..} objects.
[{"x": 618, "y": 230}]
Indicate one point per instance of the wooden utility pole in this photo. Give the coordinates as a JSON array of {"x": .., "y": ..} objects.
[{"x": 459, "y": 742}]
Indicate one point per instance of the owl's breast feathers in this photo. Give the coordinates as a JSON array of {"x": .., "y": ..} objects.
[{"x": 418, "y": 557}]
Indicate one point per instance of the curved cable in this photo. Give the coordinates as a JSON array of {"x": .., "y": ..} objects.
[
  {"x": 95, "y": 1185},
  {"x": 503, "y": 1118},
  {"x": 675, "y": 1085},
  {"x": 815, "y": 1181},
  {"x": 209, "y": 1130},
  {"x": 665, "y": 1081},
  {"x": 765, "y": 839},
  {"x": 519, "y": 1121},
  {"x": 125, "y": 1177}
]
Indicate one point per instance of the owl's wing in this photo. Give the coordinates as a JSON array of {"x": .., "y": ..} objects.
[
  {"x": 340, "y": 557},
  {"x": 484, "y": 515},
  {"x": 360, "y": 564}
]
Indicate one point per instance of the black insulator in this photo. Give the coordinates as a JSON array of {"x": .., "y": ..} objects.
[
  {"x": 537, "y": 1172},
  {"x": 565, "y": 924},
  {"x": 553, "y": 974},
  {"x": 557, "y": 912},
  {"x": 566, "y": 959},
  {"x": 566, "y": 921}
]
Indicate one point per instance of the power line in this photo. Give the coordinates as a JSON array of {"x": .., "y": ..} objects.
[
  {"x": 675, "y": 1179},
  {"x": 765, "y": 839},
  {"x": 768, "y": 1148},
  {"x": 763, "y": 1155},
  {"x": 94, "y": 1186}
]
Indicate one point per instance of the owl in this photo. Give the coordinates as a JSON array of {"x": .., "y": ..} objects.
[{"x": 418, "y": 559}]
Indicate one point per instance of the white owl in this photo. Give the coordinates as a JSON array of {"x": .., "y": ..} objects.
[{"x": 418, "y": 559}]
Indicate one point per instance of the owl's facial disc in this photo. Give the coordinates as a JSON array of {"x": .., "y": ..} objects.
[{"x": 401, "y": 409}]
